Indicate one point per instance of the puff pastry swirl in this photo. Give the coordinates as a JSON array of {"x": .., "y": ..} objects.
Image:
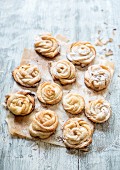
[
  {"x": 27, "y": 75},
  {"x": 73, "y": 103},
  {"x": 77, "y": 133},
  {"x": 98, "y": 110},
  {"x": 43, "y": 124},
  {"x": 64, "y": 71},
  {"x": 81, "y": 53},
  {"x": 49, "y": 93},
  {"x": 97, "y": 77},
  {"x": 47, "y": 45},
  {"x": 20, "y": 103}
]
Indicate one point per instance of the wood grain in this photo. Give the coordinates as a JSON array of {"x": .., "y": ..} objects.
[{"x": 20, "y": 21}]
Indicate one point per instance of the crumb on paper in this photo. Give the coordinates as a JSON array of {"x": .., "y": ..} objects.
[
  {"x": 108, "y": 53},
  {"x": 59, "y": 138}
]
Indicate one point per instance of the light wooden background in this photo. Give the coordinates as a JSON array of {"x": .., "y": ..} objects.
[{"x": 20, "y": 21}]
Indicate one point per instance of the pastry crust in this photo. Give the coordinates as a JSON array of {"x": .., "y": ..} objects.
[
  {"x": 77, "y": 133},
  {"x": 43, "y": 124},
  {"x": 27, "y": 75},
  {"x": 20, "y": 103},
  {"x": 49, "y": 93},
  {"x": 98, "y": 110},
  {"x": 81, "y": 53},
  {"x": 64, "y": 71},
  {"x": 47, "y": 45},
  {"x": 73, "y": 103},
  {"x": 97, "y": 77}
]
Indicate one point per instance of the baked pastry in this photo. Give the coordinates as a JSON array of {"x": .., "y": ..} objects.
[
  {"x": 27, "y": 75},
  {"x": 97, "y": 77},
  {"x": 20, "y": 103},
  {"x": 73, "y": 103},
  {"x": 77, "y": 133},
  {"x": 49, "y": 93},
  {"x": 47, "y": 45},
  {"x": 98, "y": 110},
  {"x": 43, "y": 124},
  {"x": 81, "y": 53},
  {"x": 64, "y": 71}
]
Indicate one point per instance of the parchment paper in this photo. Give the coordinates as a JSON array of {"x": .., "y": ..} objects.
[{"x": 19, "y": 125}]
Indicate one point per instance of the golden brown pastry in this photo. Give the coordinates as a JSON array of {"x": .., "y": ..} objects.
[
  {"x": 77, "y": 133},
  {"x": 64, "y": 71},
  {"x": 20, "y": 103},
  {"x": 73, "y": 103},
  {"x": 27, "y": 75},
  {"x": 49, "y": 93},
  {"x": 97, "y": 77},
  {"x": 81, "y": 53},
  {"x": 98, "y": 110},
  {"x": 43, "y": 124},
  {"x": 47, "y": 45}
]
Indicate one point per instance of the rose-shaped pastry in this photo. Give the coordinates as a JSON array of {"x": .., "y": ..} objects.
[
  {"x": 43, "y": 124},
  {"x": 27, "y": 75},
  {"x": 81, "y": 53},
  {"x": 73, "y": 103},
  {"x": 47, "y": 45},
  {"x": 77, "y": 133},
  {"x": 20, "y": 103},
  {"x": 49, "y": 93},
  {"x": 64, "y": 71},
  {"x": 97, "y": 77},
  {"x": 98, "y": 110}
]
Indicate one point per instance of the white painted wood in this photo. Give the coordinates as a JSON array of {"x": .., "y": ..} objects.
[{"x": 20, "y": 21}]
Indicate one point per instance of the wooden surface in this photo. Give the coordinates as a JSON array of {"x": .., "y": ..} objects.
[{"x": 20, "y": 21}]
